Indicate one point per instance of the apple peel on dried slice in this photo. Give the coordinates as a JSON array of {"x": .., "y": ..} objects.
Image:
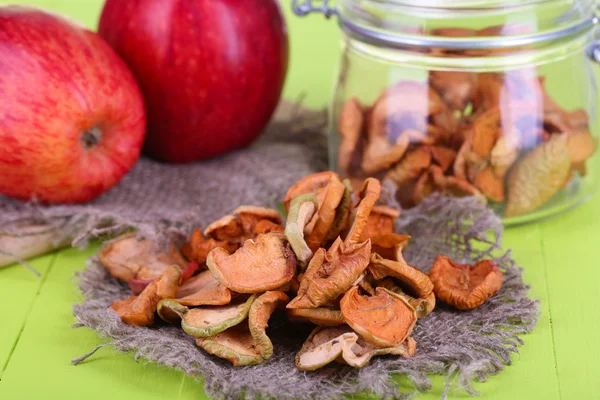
[
  {"x": 266, "y": 263},
  {"x": 384, "y": 319},
  {"x": 302, "y": 209},
  {"x": 341, "y": 344},
  {"x": 129, "y": 258},
  {"x": 247, "y": 344},
  {"x": 205, "y": 321},
  {"x": 331, "y": 273}
]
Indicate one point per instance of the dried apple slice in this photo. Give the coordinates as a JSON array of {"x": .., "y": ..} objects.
[
  {"x": 423, "y": 307},
  {"x": 457, "y": 88},
  {"x": 350, "y": 125},
  {"x": 302, "y": 209},
  {"x": 491, "y": 185},
  {"x": 326, "y": 345},
  {"x": 225, "y": 229},
  {"x": 582, "y": 145},
  {"x": 129, "y": 258},
  {"x": 342, "y": 213},
  {"x": 262, "y": 264},
  {"x": 486, "y": 131},
  {"x": 200, "y": 246},
  {"x": 368, "y": 195},
  {"x": 247, "y": 344},
  {"x": 384, "y": 320},
  {"x": 249, "y": 216},
  {"x": 465, "y": 286},
  {"x": 208, "y": 321},
  {"x": 413, "y": 281},
  {"x": 389, "y": 246},
  {"x": 536, "y": 177},
  {"x": 443, "y": 156},
  {"x": 411, "y": 166},
  {"x": 266, "y": 226},
  {"x": 203, "y": 290},
  {"x": 334, "y": 192},
  {"x": 309, "y": 184},
  {"x": 139, "y": 310},
  {"x": 317, "y": 316},
  {"x": 331, "y": 273},
  {"x": 380, "y": 222}
]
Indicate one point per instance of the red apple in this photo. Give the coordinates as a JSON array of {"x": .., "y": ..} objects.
[
  {"x": 211, "y": 70},
  {"x": 72, "y": 117}
]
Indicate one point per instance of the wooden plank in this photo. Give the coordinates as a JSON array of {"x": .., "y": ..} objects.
[
  {"x": 48, "y": 344},
  {"x": 571, "y": 245},
  {"x": 18, "y": 290}
]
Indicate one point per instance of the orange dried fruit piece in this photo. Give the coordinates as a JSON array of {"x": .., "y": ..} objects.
[
  {"x": 423, "y": 306},
  {"x": 313, "y": 183},
  {"x": 342, "y": 213},
  {"x": 491, "y": 185},
  {"x": 326, "y": 213},
  {"x": 457, "y": 88},
  {"x": 302, "y": 209},
  {"x": 226, "y": 229},
  {"x": 317, "y": 316},
  {"x": 139, "y": 310},
  {"x": 443, "y": 156},
  {"x": 389, "y": 246},
  {"x": 350, "y": 126},
  {"x": 384, "y": 320},
  {"x": 537, "y": 176},
  {"x": 582, "y": 145},
  {"x": 341, "y": 344},
  {"x": 486, "y": 131},
  {"x": 410, "y": 279},
  {"x": 465, "y": 287},
  {"x": 411, "y": 166},
  {"x": 423, "y": 188},
  {"x": 266, "y": 226},
  {"x": 206, "y": 321},
  {"x": 380, "y": 222},
  {"x": 129, "y": 258},
  {"x": 249, "y": 216},
  {"x": 504, "y": 154},
  {"x": 247, "y": 344},
  {"x": 261, "y": 264},
  {"x": 368, "y": 196},
  {"x": 200, "y": 246},
  {"x": 380, "y": 153},
  {"x": 331, "y": 273},
  {"x": 453, "y": 186},
  {"x": 203, "y": 290}
]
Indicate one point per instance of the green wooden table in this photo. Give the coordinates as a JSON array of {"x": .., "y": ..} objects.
[{"x": 561, "y": 257}]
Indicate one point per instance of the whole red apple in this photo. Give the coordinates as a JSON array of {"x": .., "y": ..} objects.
[
  {"x": 72, "y": 117},
  {"x": 211, "y": 70}
]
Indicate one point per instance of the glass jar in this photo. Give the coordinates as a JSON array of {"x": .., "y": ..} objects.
[{"x": 493, "y": 98}]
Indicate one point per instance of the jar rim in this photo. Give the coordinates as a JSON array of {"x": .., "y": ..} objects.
[{"x": 484, "y": 24}]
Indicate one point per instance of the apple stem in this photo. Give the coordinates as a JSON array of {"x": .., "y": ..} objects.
[{"x": 91, "y": 137}]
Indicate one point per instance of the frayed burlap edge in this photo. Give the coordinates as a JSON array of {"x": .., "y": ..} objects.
[{"x": 463, "y": 346}]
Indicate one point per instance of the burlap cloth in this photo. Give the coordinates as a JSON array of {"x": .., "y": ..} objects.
[{"x": 164, "y": 199}]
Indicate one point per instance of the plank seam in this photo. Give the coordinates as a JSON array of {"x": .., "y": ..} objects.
[
  {"x": 29, "y": 309},
  {"x": 558, "y": 387}
]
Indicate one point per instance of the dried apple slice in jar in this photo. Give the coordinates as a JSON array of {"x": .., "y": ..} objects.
[
  {"x": 384, "y": 319},
  {"x": 490, "y": 184},
  {"x": 247, "y": 344},
  {"x": 538, "y": 176},
  {"x": 443, "y": 156},
  {"x": 341, "y": 344},
  {"x": 129, "y": 258},
  {"x": 457, "y": 88},
  {"x": 411, "y": 166},
  {"x": 266, "y": 263},
  {"x": 302, "y": 209},
  {"x": 317, "y": 316},
  {"x": 331, "y": 273},
  {"x": 350, "y": 126},
  {"x": 465, "y": 287}
]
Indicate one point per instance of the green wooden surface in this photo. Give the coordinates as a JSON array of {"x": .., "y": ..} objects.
[{"x": 560, "y": 256}]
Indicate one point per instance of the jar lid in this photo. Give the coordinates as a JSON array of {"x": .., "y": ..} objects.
[{"x": 458, "y": 24}]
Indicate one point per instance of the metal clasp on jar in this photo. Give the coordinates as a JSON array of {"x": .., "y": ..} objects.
[{"x": 305, "y": 7}]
